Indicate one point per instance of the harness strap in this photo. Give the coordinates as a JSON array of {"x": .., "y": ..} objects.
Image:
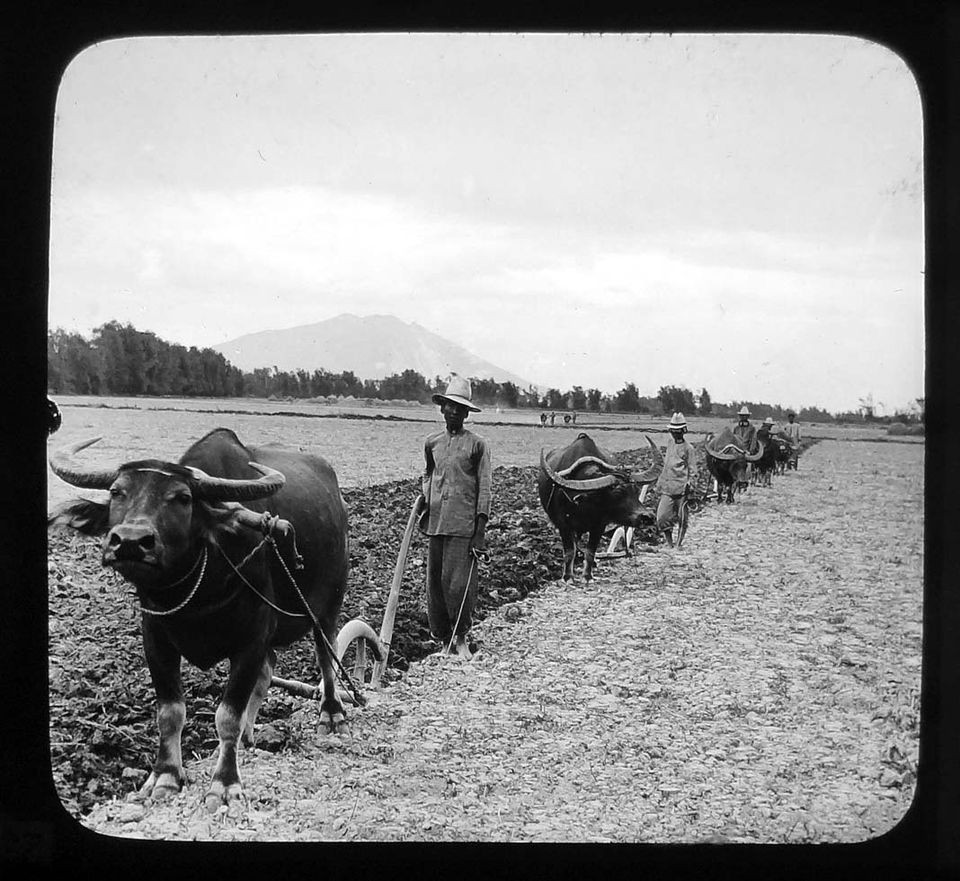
[
  {"x": 271, "y": 604},
  {"x": 341, "y": 672}
]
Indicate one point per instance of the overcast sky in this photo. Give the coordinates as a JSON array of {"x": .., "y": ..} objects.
[{"x": 740, "y": 212}]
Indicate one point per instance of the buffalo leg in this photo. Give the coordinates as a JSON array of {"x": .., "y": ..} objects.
[
  {"x": 590, "y": 552},
  {"x": 247, "y": 736},
  {"x": 332, "y": 716},
  {"x": 246, "y": 671},
  {"x": 166, "y": 776},
  {"x": 569, "y": 552}
]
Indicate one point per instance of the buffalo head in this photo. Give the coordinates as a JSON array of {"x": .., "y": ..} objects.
[
  {"x": 729, "y": 463},
  {"x": 156, "y": 511}
]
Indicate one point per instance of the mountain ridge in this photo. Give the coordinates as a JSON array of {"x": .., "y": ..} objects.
[{"x": 372, "y": 347}]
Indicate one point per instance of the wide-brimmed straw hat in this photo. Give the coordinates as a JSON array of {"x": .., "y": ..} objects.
[
  {"x": 459, "y": 392},
  {"x": 743, "y": 411},
  {"x": 677, "y": 421},
  {"x": 768, "y": 421}
]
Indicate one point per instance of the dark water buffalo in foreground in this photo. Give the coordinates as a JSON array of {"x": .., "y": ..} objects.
[
  {"x": 177, "y": 533},
  {"x": 729, "y": 463},
  {"x": 582, "y": 490}
]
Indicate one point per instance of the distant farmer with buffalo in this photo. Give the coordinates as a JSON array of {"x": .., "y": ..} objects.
[
  {"x": 792, "y": 431},
  {"x": 456, "y": 506},
  {"x": 764, "y": 468},
  {"x": 582, "y": 489},
  {"x": 674, "y": 480}
]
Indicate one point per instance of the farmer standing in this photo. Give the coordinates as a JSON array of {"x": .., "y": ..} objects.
[
  {"x": 792, "y": 431},
  {"x": 456, "y": 503},
  {"x": 674, "y": 479},
  {"x": 744, "y": 430}
]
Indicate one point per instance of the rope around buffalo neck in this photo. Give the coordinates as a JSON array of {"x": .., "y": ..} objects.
[{"x": 179, "y": 606}]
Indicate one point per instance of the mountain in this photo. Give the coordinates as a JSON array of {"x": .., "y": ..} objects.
[{"x": 372, "y": 347}]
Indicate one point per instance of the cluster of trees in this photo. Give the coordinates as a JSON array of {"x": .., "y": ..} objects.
[{"x": 120, "y": 360}]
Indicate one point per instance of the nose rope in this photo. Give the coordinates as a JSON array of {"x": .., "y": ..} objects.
[{"x": 179, "y": 606}]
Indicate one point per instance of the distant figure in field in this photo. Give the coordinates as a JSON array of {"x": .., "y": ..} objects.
[
  {"x": 792, "y": 431},
  {"x": 455, "y": 505},
  {"x": 566, "y": 418},
  {"x": 745, "y": 431},
  {"x": 552, "y": 417},
  {"x": 674, "y": 479},
  {"x": 763, "y": 433},
  {"x": 574, "y": 417},
  {"x": 543, "y": 420}
]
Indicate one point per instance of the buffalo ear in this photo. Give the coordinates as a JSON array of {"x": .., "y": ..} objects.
[{"x": 90, "y": 518}]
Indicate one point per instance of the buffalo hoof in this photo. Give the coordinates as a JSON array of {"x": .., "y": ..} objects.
[
  {"x": 164, "y": 785},
  {"x": 219, "y": 795},
  {"x": 462, "y": 650},
  {"x": 333, "y": 723}
]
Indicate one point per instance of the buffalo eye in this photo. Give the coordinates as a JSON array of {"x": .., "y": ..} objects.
[
  {"x": 183, "y": 497},
  {"x": 116, "y": 492}
]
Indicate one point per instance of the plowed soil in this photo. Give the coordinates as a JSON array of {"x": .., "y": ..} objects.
[{"x": 760, "y": 684}]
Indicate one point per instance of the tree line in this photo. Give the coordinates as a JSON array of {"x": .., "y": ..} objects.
[{"x": 118, "y": 359}]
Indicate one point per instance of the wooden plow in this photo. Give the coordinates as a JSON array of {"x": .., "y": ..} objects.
[
  {"x": 359, "y": 632},
  {"x": 621, "y": 541}
]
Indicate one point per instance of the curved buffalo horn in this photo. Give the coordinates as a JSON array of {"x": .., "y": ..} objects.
[
  {"x": 603, "y": 464},
  {"x": 601, "y": 482},
  {"x": 756, "y": 456},
  {"x": 224, "y": 489},
  {"x": 653, "y": 472},
  {"x": 63, "y": 465},
  {"x": 725, "y": 453}
]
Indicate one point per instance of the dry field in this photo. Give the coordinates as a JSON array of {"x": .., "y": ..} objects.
[
  {"x": 366, "y": 445},
  {"x": 761, "y": 685}
]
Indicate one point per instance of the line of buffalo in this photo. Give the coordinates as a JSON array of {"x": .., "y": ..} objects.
[{"x": 219, "y": 577}]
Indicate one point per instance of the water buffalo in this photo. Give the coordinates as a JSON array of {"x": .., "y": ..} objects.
[
  {"x": 783, "y": 453},
  {"x": 729, "y": 463},
  {"x": 582, "y": 490},
  {"x": 179, "y": 535},
  {"x": 776, "y": 450}
]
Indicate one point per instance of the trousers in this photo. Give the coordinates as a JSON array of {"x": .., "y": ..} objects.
[
  {"x": 667, "y": 510},
  {"x": 448, "y": 567}
]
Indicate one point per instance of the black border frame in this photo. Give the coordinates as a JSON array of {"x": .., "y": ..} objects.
[{"x": 35, "y": 48}]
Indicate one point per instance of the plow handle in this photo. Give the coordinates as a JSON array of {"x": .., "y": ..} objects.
[{"x": 390, "y": 612}]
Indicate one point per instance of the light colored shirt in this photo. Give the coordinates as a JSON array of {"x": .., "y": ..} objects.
[
  {"x": 792, "y": 431},
  {"x": 677, "y": 465},
  {"x": 747, "y": 435},
  {"x": 456, "y": 482}
]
